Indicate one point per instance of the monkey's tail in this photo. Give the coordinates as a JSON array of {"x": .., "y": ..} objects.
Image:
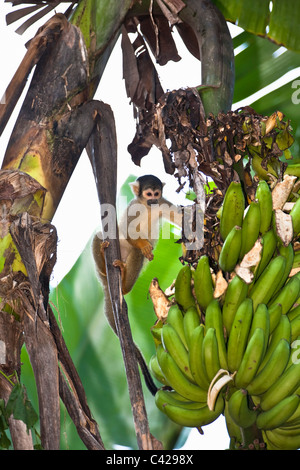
[
  {"x": 145, "y": 371},
  {"x": 139, "y": 357}
]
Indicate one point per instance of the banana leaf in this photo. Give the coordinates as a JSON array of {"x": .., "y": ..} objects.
[
  {"x": 279, "y": 22},
  {"x": 259, "y": 64}
]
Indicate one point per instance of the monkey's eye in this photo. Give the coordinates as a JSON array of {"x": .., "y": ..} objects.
[
  {"x": 149, "y": 194},
  {"x": 157, "y": 194}
]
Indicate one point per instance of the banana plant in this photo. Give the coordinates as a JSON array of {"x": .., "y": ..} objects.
[
  {"x": 56, "y": 121},
  {"x": 59, "y": 118}
]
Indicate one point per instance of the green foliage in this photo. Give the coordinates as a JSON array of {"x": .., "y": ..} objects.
[
  {"x": 4, "y": 440},
  {"x": 266, "y": 65},
  {"x": 20, "y": 407},
  {"x": 281, "y": 24}
]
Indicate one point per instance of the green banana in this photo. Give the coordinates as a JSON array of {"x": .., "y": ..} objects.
[
  {"x": 203, "y": 283},
  {"x": 191, "y": 320},
  {"x": 236, "y": 292},
  {"x": 272, "y": 370},
  {"x": 175, "y": 347},
  {"x": 232, "y": 210},
  {"x": 264, "y": 196},
  {"x": 295, "y": 214},
  {"x": 295, "y": 328},
  {"x": 279, "y": 414},
  {"x": 288, "y": 253},
  {"x": 177, "y": 379},
  {"x": 231, "y": 248},
  {"x": 175, "y": 319},
  {"x": 282, "y": 330},
  {"x": 169, "y": 397},
  {"x": 293, "y": 169},
  {"x": 287, "y": 383},
  {"x": 239, "y": 410},
  {"x": 237, "y": 340},
  {"x": 178, "y": 397},
  {"x": 292, "y": 430},
  {"x": 213, "y": 319},
  {"x": 195, "y": 357},
  {"x": 194, "y": 417},
  {"x": 156, "y": 331},
  {"x": 251, "y": 359},
  {"x": 287, "y": 295},
  {"x": 294, "y": 357},
  {"x": 269, "y": 243},
  {"x": 235, "y": 432},
  {"x": 183, "y": 288},
  {"x": 282, "y": 439},
  {"x": 250, "y": 228},
  {"x": 156, "y": 370},
  {"x": 264, "y": 288},
  {"x": 261, "y": 319},
  {"x": 293, "y": 420},
  {"x": 210, "y": 353},
  {"x": 275, "y": 313},
  {"x": 293, "y": 313},
  {"x": 296, "y": 262}
]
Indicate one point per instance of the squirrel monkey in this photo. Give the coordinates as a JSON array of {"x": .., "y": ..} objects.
[{"x": 138, "y": 231}]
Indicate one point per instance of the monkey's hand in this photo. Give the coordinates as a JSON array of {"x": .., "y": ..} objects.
[
  {"x": 144, "y": 246},
  {"x": 147, "y": 251},
  {"x": 103, "y": 246},
  {"x": 119, "y": 264},
  {"x": 122, "y": 266}
]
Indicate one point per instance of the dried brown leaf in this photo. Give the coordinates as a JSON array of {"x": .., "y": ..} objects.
[
  {"x": 220, "y": 285},
  {"x": 282, "y": 190},
  {"x": 159, "y": 299},
  {"x": 160, "y": 39},
  {"x": 284, "y": 226},
  {"x": 141, "y": 79}
]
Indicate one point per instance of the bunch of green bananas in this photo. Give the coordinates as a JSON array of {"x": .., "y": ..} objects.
[{"x": 236, "y": 354}]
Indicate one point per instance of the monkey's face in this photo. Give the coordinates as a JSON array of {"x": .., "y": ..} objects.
[{"x": 152, "y": 196}]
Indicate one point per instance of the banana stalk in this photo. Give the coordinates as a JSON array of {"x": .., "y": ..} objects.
[{"x": 50, "y": 133}]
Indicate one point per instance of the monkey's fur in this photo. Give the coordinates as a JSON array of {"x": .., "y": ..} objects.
[{"x": 152, "y": 207}]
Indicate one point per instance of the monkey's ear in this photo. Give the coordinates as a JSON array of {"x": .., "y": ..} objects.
[{"x": 135, "y": 187}]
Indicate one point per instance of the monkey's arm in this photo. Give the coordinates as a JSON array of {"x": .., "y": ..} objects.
[{"x": 143, "y": 245}]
